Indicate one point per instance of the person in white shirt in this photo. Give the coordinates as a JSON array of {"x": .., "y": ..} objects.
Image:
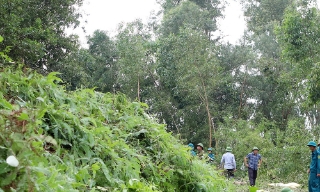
[{"x": 228, "y": 162}]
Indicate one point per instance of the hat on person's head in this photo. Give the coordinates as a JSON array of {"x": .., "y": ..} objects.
[
  {"x": 255, "y": 148},
  {"x": 209, "y": 149},
  {"x": 312, "y": 143},
  {"x": 200, "y": 144},
  {"x": 228, "y": 149}
]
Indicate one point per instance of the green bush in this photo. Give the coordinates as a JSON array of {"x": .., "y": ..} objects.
[{"x": 88, "y": 141}]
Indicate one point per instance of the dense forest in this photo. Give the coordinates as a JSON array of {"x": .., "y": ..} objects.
[{"x": 263, "y": 91}]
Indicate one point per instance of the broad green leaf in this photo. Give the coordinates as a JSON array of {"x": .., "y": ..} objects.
[
  {"x": 24, "y": 116},
  {"x": 4, "y": 168},
  {"x": 95, "y": 166},
  {"x": 5, "y": 103}
]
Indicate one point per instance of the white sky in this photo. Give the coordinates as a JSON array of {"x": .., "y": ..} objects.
[{"x": 107, "y": 14}]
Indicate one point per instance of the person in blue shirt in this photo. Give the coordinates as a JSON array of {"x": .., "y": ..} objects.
[
  {"x": 210, "y": 155},
  {"x": 228, "y": 162},
  {"x": 314, "y": 169},
  {"x": 193, "y": 153},
  {"x": 254, "y": 163}
]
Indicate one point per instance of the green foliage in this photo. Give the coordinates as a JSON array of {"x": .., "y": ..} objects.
[
  {"x": 276, "y": 147},
  {"x": 187, "y": 15},
  {"x": 3, "y": 54},
  {"x": 103, "y": 69},
  {"x": 89, "y": 141},
  {"x": 272, "y": 85},
  {"x": 136, "y": 59},
  {"x": 92, "y": 67},
  {"x": 211, "y": 11},
  {"x": 253, "y": 93},
  {"x": 35, "y": 30},
  {"x": 297, "y": 36},
  {"x": 78, "y": 70},
  {"x": 260, "y": 13},
  {"x": 190, "y": 73},
  {"x": 296, "y": 33}
]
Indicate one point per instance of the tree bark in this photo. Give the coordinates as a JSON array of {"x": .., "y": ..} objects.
[
  {"x": 210, "y": 123},
  {"x": 138, "y": 91},
  {"x": 241, "y": 94}
]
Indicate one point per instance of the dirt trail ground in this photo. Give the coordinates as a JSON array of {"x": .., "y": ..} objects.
[{"x": 270, "y": 187}]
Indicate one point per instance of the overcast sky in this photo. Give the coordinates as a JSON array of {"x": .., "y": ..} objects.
[{"x": 107, "y": 14}]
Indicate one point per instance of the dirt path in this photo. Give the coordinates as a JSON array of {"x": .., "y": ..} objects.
[{"x": 243, "y": 186}]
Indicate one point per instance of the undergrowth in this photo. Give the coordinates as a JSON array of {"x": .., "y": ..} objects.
[{"x": 88, "y": 141}]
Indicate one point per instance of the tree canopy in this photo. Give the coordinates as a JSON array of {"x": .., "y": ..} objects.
[{"x": 36, "y": 31}]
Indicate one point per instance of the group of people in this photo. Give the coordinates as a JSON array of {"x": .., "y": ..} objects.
[{"x": 252, "y": 161}]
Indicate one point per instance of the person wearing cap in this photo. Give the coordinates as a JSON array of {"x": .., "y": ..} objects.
[
  {"x": 228, "y": 162},
  {"x": 254, "y": 163},
  {"x": 314, "y": 169},
  {"x": 193, "y": 153},
  {"x": 200, "y": 153},
  {"x": 210, "y": 155}
]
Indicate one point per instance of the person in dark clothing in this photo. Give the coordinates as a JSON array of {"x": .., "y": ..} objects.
[
  {"x": 314, "y": 169},
  {"x": 253, "y": 161},
  {"x": 211, "y": 157},
  {"x": 193, "y": 153}
]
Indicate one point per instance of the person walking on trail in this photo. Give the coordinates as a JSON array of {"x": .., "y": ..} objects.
[
  {"x": 314, "y": 169},
  {"x": 193, "y": 153},
  {"x": 200, "y": 152},
  {"x": 210, "y": 155},
  {"x": 228, "y": 162},
  {"x": 254, "y": 163}
]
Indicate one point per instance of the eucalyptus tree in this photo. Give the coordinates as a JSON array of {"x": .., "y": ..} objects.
[
  {"x": 236, "y": 87},
  {"x": 299, "y": 35},
  {"x": 198, "y": 15},
  {"x": 136, "y": 58},
  {"x": 103, "y": 71},
  {"x": 273, "y": 90},
  {"x": 75, "y": 70},
  {"x": 188, "y": 69}
]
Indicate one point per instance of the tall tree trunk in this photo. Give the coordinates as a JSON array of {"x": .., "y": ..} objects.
[
  {"x": 210, "y": 123},
  {"x": 242, "y": 92},
  {"x": 138, "y": 91},
  {"x": 241, "y": 97}
]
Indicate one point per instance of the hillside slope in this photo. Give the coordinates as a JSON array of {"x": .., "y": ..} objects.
[{"x": 88, "y": 141}]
